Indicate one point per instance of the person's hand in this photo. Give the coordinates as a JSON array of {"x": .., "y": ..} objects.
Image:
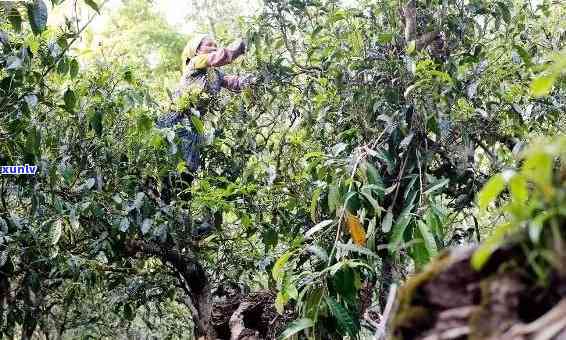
[{"x": 240, "y": 46}]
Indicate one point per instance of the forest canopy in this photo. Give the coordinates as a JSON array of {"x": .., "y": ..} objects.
[{"x": 382, "y": 169}]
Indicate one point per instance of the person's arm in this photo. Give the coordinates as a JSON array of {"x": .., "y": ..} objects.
[
  {"x": 237, "y": 83},
  {"x": 219, "y": 57}
]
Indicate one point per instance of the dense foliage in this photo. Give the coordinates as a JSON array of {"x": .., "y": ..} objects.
[{"x": 353, "y": 162}]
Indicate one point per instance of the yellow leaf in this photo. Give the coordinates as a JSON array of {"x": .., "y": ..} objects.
[{"x": 356, "y": 229}]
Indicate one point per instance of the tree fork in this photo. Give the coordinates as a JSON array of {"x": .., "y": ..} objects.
[{"x": 194, "y": 276}]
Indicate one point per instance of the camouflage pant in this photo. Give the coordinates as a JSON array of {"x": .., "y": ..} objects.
[
  {"x": 190, "y": 144},
  {"x": 190, "y": 141}
]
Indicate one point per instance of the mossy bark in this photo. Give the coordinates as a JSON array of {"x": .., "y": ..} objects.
[{"x": 451, "y": 300}]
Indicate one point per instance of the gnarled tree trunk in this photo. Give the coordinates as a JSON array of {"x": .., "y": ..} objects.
[
  {"x": 195, "y": 282},
  {"x": 451, "y": 300}
]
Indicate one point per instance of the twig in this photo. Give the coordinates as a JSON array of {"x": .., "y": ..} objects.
[
  {"x": 75, "y": 38},
  {"x": 290, "y": 48},
  {"x": 343, "y": 212},
  {"x": 488, "y": 152}
]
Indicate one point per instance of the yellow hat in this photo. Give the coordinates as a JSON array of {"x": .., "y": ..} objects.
[{"x": 192, "y": 47}]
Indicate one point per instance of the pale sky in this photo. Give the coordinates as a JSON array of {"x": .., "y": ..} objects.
[{"x": 175, "y": 12}]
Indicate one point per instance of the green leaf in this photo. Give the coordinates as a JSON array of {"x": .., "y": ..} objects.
[
  {"x": 343, "y": 281},
  {"x": 33, "y": 142},
  {"x": 536, "y": 225},
  {"x": 373, "y": 175},
  {"x": 3, "y": 256},
  {"x": 129, "y": 76},
  {"x": 418, "y": 252},
  {"x": 124, "y": 224},
  {"x": 37, "y": 13},
  {"x": 518, "y": 188},
  {"x": 387, "y": 222},
  {"x": 291, "y": 290},
  {"x": 385, "y": 38},
  {"x": 344, "y": 319},
  {"x": 505, "y": 13},
  {"x": 352, "y": 201},
  {"x": 63, "y": 66},
  {"x": 490, "y": 191},
  {"x": 278, "y": 268},
  {"x": 333, "y": 197},
  {"x": 432, "y": 219},
  {"x": 354, "y": 248},
  {"x": 406, "y": 141},
  {"x": 55, "y": 231},
  {"x": 318, "y": 227},
  {"x": 3, "y": 226},
  {"x": 197, "y": 124},
  {"x": 70, "y": 100},
  {"x": 525, "y": 56},
  {"x": 436, "y": 186},
  {"x": 338, "y": 15},
  {"x": 428, "y": 238},
  {"x": 295, "y": 327},
  {"x": 156, "y": 140},
  {"x": 318, "y": 252},
  {"x": 95, "y": 121},
  {"x": 409, "y": 188},
  {"x": 181, "y": 166},
  {"x": 144, "y": 123},
  {"x": 411, "y": 47},
  {"x": 93, "y": 5},
  {"x": 482, "y": 254},
  {"x": 129, "y": 312},
  {"x": 311, "y": 301},
  {"x": 367, "y": 193},
  {"x": 13, "y": 63},
  {"x": 270, "y": 238},
  {"x": 542, "y": 85},
  {"x": 399, "y": 228},
  {"x": 74, "y": 68},
  {"x": 280, "y": 302},
  {"x": 538, "y": 168},
  {"x": 15, "y": 19}
]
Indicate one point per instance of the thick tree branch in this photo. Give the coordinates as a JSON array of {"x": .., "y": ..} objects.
[{"x": 192, "y": 273}]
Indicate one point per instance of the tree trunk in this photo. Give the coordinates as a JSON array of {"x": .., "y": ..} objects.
[
  {"x": 31, "y": 315},
  {"x": 195, "y": 281},
  {"x": 451, "y": 300}
]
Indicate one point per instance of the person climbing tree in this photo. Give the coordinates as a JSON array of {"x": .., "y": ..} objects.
[{"x": 195, "y": 96}]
